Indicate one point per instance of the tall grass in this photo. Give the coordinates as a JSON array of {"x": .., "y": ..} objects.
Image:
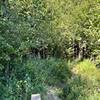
[
  {"x": 85, "y": 82},
  {"x": 88, "y": 69}
]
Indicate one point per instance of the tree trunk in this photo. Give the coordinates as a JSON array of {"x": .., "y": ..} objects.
[{"x": 76, "y": 49}]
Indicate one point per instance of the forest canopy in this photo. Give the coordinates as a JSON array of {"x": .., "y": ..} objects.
[{"x": 43, "y": 29}]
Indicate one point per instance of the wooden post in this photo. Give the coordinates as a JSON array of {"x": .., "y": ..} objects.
[{"x": 35, "y": 97}]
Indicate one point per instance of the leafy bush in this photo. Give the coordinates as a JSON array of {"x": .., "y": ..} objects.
[
  {"x": 50, "y": 71},
  {"x": 79, "y": 88},
  {"x": 34, "y": 76},
  {"x": 84, "y": 83}
]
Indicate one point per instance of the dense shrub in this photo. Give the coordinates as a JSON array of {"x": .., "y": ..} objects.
[
  {"x": 34, "y": 76},
  {"x": 84, "y": 83},
  {"x": 64, "y": 29},
  {"x": 79, "y": 88}
]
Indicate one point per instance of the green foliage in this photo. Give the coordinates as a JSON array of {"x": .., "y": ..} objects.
[
  {"x": 84, "y": 84},
  {"x": 34, "y": 76},
  {"x": 51, "y": 71},
  {"x": 79, "y": 88},
  {"x": 51, "y": 28},
  {"x": 88, "y": 69}
]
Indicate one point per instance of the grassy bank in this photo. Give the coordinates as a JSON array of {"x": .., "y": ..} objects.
[{"x": 74, "y": 81}]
